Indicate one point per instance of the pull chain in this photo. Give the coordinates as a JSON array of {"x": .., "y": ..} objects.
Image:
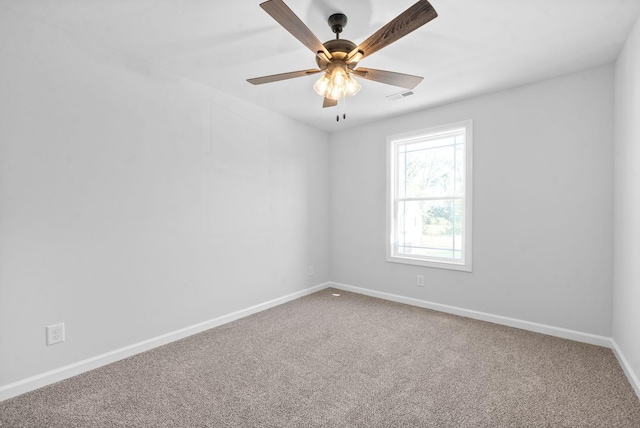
[{"x": 344, "y": 106}]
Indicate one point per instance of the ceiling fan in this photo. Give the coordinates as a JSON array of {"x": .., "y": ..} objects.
[{"x": 338, "y": 58}]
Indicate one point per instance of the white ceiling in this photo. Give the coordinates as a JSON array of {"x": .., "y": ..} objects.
[{"x": 473, "y": 46}]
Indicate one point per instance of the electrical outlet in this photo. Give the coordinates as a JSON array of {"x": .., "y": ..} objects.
[
  {"x": 310, "y": 270},
  {"x": 420, "y": 280},
  {"x": 55, "y": 334}
]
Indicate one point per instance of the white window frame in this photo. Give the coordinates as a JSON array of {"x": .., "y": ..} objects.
[{"x": 393, "y": 142}]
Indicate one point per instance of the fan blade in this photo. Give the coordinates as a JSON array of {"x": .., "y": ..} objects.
[
  {"x": 407, "y": 81},
  {"x": 411, "y": 19},
  {"x": 282, "y": 76},
  {"x": 328, "y": 102},
  {"x": 290, "y": 21}
]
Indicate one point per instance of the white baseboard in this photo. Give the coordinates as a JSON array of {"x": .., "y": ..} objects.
[
  {"x": 483, "y": 316},
  {"x": 56, "y": 375},
  {"x": 626, "y": 367}
]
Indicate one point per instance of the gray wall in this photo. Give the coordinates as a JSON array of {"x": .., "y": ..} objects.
[
  {"x": 626, "y": 293},
  {"x": 135, "y": 203},
  {"x": 542, "y": 203}
]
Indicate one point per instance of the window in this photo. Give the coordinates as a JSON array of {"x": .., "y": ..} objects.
[{"x": 429, "y": 197}]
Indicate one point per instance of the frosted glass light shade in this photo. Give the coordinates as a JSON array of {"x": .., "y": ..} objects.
[{"x": 336, "y": 84}]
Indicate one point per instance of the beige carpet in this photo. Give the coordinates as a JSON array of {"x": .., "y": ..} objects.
[{"x": 348, "y": 361}]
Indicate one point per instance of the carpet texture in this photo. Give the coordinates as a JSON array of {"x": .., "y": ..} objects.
[{"x": 347, "y": 361}]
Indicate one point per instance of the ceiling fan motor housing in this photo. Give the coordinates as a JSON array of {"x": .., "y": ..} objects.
[{"x": 339, "y": 49}]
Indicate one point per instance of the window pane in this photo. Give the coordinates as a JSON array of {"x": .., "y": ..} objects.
[
  {"x": 430, "y": 170},
  {"x": 409, "y": 234},
  {"x": 401, "y": 169},
  {"x": 430, "y": 228}
]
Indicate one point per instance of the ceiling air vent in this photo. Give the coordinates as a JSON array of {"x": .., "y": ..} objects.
[{"x": 400, "y": 95}]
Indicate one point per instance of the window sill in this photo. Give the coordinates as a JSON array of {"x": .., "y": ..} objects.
[{"x": 463, "y": 267}]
